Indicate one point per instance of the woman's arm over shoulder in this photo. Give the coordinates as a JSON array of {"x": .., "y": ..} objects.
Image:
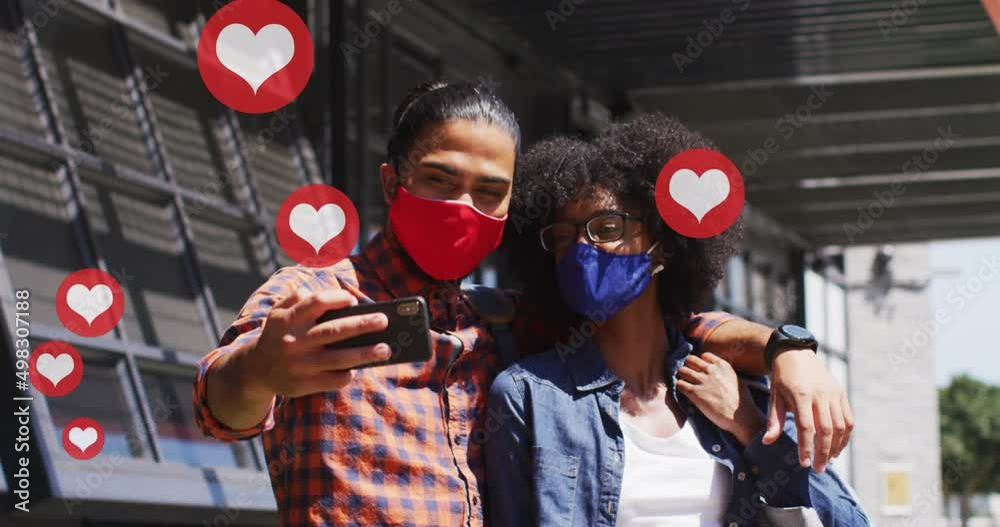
[{"x": 507, "y": 450}]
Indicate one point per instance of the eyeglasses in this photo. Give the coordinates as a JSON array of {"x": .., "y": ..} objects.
[{"x": 607, "y": 227}]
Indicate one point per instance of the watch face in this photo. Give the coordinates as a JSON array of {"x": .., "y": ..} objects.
[{"x": 797, "y": 332}]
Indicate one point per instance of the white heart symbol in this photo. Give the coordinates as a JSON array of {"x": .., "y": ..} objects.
[
  {"x": 699, "y": 195},
  {"x": 82, "y": 438},
  {"x": 317, "y": 228},
  {"x": 255, "y": 57},
  {"x": 55, "y": 369},
  {"x": 89, "y": 303}
]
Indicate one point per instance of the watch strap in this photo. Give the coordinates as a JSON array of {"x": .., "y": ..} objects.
[{"x": 777, "y": 339}]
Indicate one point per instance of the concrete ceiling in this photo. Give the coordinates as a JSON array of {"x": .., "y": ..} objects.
[{"x": 865, "y": 110}]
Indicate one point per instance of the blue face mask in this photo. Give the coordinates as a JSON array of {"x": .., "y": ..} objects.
[{"x": 598, "y": 284}]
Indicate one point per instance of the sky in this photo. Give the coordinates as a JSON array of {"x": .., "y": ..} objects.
[{"x": 967, "y": 342}]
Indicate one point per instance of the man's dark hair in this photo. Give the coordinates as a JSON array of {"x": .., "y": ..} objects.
[
  {"x": 625, "y": 160},
  {"x": 437, "y": 102}
]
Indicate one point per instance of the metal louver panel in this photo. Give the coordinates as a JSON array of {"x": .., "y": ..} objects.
[{"x": 91, "y": 94}]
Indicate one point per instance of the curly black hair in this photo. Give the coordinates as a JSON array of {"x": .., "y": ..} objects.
[{"x": 624, "y": 160}]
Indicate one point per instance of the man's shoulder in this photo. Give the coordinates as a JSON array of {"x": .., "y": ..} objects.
[{"x": 345, "y": 270}]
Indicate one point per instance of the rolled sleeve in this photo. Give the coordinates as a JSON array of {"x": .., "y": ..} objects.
[
  {"x": 700, "y": 326},
  {"x": 209, "y": 425},
  {"x": 242, "y": 334}
]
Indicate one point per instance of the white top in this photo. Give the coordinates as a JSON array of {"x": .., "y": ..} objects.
[{"x": 671, "y": 481}]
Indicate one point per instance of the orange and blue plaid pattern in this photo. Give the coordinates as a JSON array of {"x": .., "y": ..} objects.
[{"x": 402, "y": 445}]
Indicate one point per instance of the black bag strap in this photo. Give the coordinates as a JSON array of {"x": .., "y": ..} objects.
[{"x": 496, "y": 307}]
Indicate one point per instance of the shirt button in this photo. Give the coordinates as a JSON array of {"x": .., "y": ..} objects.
[
  {"x": 716, "y": 448},
  {"x": 741, "y": 476},
  {"x": 475, "y": 500},
  {"x": 733, "y": 524},
  {"x": 457, "y": 440},
  {"x": 611, "y": 506}
]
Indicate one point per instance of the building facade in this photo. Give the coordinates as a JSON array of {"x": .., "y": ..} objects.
[{"x": 114, "y": 155}]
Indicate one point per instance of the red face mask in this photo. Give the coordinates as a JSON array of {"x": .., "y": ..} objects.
[{"x": 446, "y": 238}]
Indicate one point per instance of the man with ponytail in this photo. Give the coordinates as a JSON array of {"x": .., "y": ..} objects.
[{"x": 403, "y": 444}]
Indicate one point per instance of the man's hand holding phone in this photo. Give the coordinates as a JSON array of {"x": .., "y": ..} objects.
[{"x": 291, "y": 358}]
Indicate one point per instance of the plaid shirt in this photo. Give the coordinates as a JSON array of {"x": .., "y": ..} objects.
[{"x": 402, "y": 445}]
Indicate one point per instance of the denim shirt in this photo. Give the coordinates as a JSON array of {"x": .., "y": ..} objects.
[{"x": 555, "y": 453}]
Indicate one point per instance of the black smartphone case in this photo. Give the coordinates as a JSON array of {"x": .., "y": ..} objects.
[{"x": 408, "y": 333}]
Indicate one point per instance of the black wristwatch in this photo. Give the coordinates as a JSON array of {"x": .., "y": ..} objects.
[{"x": 788, "y": 335}]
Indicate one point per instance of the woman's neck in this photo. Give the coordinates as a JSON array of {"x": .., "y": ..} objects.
[{"x": 633, "y": 342}]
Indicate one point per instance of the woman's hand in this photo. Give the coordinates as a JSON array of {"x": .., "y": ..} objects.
[{"x": 713, "y": 386}]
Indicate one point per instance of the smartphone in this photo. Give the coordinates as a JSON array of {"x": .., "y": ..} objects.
[{"x": 408, "y": 333}]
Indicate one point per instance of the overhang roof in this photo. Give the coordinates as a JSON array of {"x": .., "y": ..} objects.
[{"x": 898, "y": 76}]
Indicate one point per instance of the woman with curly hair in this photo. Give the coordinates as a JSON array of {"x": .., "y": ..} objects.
[{"x": 622, "y": 423}]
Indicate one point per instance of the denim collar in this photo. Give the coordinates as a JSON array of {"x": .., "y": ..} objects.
[{"x": 589, "y": 371}]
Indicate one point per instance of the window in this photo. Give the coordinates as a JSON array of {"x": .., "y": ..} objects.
[
  {"x": 104, "y": 395},
  {"x": 91, "y": 93},
  {"x": 760, "y": 293},
  {"x": 786, "y": 302},
  {"x": 815, "y": 289},
  {"x": 164, "y": 17},
  {"x": 233, "y": 262},
  {"x": 34, "y": 205},
  {"x": 270, "y": 152},
  {"x": 142, "y": 246},
  {"x": 736, "y": 276},
  {"x": 18, "y": 107},
  {"x": 490, "y": 276},
  {"x": 836, "y": 313},
  {"x": 190, "y": 126},
  {"x": 169, "y": 397},
  {"x": 722, "y": 291}
]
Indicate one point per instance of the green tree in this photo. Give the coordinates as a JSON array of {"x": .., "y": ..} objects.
[{"x": 970, "y": 439}]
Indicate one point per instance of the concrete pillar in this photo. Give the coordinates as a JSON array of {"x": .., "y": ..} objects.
[{"x": 892, "y": 372}]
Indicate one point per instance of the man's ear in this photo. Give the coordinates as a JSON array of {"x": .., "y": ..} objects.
[{"x": 390, "y": 179}]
